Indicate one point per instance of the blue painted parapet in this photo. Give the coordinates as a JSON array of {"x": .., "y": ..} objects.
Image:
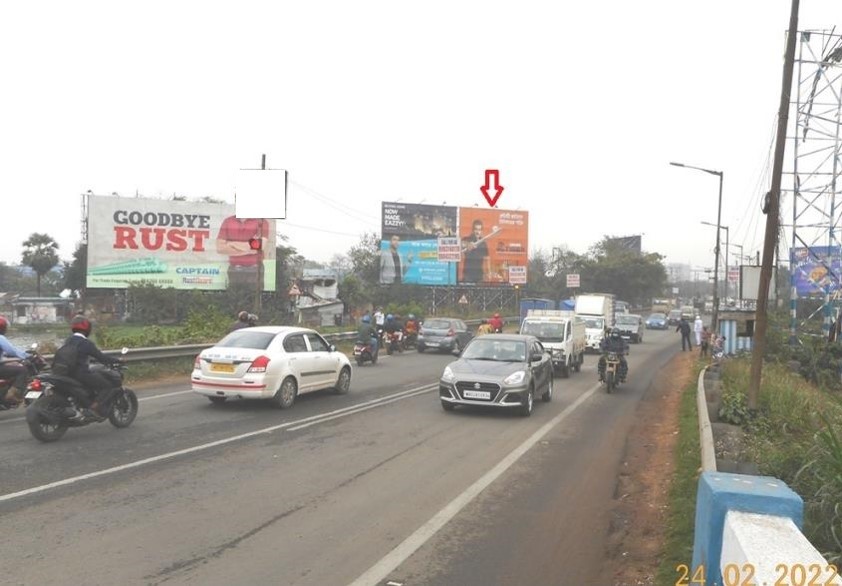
[{"x": 748, "y": 524}]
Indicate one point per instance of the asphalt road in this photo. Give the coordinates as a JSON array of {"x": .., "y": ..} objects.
[{"x": 378, "y": 486}]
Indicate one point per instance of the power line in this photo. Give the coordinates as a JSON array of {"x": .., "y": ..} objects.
[
  {"x": 313, "y": 228},
  {"x": 345, "y": 209}
]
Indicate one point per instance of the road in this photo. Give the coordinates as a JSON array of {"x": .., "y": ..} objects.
[{"x": 377, "y": 486}]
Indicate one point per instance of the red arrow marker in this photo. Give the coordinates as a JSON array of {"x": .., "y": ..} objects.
[{"x": 492, "y": 182}]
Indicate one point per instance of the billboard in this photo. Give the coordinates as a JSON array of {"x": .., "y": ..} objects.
[
  {"x": 179, "y": 244},
  {"x": 492, "y": 241},
  {"x": 445, "y": 245},
  {"x": 750, "y": 283},
  {"x": 409, "y": 248},
  {"x": 630, "y": 243},
  {"x": 810, "y": 269}
]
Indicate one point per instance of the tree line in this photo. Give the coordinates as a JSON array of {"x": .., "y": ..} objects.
[{"x": 605, "y": 267}]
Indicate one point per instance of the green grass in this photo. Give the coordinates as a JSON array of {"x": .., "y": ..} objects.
[
  {"x": 795, "y": 438},
  {"x": 150, "y": 370},
  {"x": 681, "y": 511}
]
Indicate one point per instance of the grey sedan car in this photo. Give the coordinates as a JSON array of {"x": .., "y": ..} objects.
[
  {"x": 444, "y": 333},
  {"x": 499, "y": 370}
]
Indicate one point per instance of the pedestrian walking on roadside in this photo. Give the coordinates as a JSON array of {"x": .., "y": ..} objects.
[
  {"x": 684, "y": 328},
  {"x": 698, "y": 326},
  {"x": 705, "y": 341}
]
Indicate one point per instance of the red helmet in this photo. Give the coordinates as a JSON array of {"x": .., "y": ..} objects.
[
  {"x": 81, "y": 324},
  {"x": 4, "y": 323}
]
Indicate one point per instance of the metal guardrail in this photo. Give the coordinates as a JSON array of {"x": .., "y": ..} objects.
[{"x": 183, "y": 350}]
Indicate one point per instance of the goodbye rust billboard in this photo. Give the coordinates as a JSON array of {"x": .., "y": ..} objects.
[{"x": 179, "y": 244}]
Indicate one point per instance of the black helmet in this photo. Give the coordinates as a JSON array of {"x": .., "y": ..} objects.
[
  {"x": 82, "y": 325},
  {"x": 615, "y": 332}
]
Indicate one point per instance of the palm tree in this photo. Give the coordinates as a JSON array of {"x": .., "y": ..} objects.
[{"x": 40, "y": 253}]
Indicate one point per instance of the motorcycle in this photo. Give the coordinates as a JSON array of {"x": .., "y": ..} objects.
[
  {"x": 394, "y": 342},
  {"x": 410, "y": 339},
  {"x": 53, "y": 405},
  {"x": 364, "y": 352},
  {"x": 611, "y": 379},
  {"x": 34, "y": 363}
]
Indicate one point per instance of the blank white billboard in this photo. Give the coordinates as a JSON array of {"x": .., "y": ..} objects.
[
  {"x": 750, "y": 283},
  {"x": 261, "y": 193}
]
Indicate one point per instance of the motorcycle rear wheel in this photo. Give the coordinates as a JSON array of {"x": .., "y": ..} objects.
[
  {"x": 124, "y": 409},
  {"x": 40, "y": 427}
]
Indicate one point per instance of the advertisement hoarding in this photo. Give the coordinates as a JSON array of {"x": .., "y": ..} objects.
[
  {"x": 631, "y": 243},
  {"x": 492, "y": 241},
  {"x": 573, "y": 281},
  {"x": 750, "y": 283},
  {"x": 179, "y": 244},
  {"x": 810, "y": 269},
  {"x": 409, "y": 249}
]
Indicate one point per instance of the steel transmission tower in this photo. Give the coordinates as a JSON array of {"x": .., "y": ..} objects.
[{"x": 817, "y": 170}]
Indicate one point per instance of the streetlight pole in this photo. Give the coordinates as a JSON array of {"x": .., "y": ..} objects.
[
  {"x": 727, "y": 247},
  {"x": 714, "y": 325}
]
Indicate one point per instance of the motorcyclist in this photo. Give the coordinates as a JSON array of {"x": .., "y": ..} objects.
[
  {"x": 242, "y": 321},
  {"x": 485, "y": 328},
  {"x": 614, "y": 342},
  {"x": 73, "y": 360},
  {"x": 367, "y": 334},
  {"x": 410, "y": 327},
  {"x": 379, "y": 321},
  {"x": 393, "y": 326},
  {"x": 496, "y": 322},
  {"x": 11, "y": 369}
]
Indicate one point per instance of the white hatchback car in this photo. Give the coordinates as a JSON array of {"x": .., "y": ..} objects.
[{"x": 270, "y": 362}]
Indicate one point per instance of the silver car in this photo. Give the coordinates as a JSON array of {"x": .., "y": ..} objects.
[{"x": 499, "y": 370}]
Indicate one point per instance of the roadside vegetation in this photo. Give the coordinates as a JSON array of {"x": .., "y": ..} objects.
[
  {"x": 681, "y": 511},
  {"x": 794, "y": 436}
]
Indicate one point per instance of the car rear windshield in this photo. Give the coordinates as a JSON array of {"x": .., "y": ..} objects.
[
  {"x": 437, "y": 324},
  {"x": 657, "y": 316},
  {"x": 246, "y": 339},
  {"x": 626, "y": 320},
  {"x": 500, "y": 350}
]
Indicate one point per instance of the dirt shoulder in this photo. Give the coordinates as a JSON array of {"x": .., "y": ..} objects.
[{"x": 638, "y": 524}]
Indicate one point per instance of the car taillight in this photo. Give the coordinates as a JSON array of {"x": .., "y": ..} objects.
[
  {"x": 35, "y": 385},
  {"x": 197, "y": 364},
  {"x": 451, "y": 332},
  {"x": 259, "y": 364}
]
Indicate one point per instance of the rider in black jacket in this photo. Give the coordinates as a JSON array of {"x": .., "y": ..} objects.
[
  {"x": 83, "y": 350},
  {"x": 614, "y": 343}
]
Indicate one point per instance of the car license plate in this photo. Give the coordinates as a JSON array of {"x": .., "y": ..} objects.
[
  {"x": 222, "y": 368},
  {"x": 432, "y": 343},
  {"x": 476, "y": 395},
  {"x": 32, "y": 395}
]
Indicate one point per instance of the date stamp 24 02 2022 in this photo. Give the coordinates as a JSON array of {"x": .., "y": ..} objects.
[{"x": 744, "y": 575}]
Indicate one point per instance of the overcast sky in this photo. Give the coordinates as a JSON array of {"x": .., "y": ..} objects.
[{"x": 581, "y": 106}]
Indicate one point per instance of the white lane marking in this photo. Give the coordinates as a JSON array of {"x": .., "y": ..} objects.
[
  {"x": 161, "y": 396},
  {"x": 164, "y": 395},
  {"x": 350, "y": 410},
  {"x": 380, "y": 571},
  {"x": 380, "y": 404}
]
